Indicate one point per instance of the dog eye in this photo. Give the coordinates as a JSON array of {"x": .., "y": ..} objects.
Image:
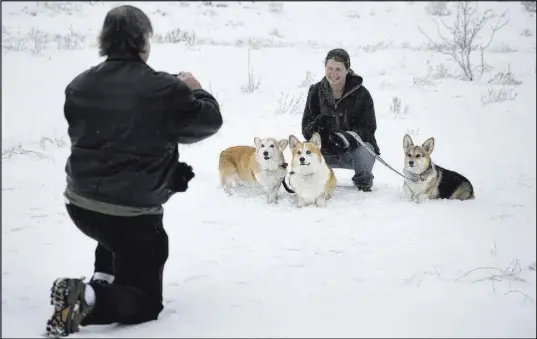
[
  {"x": 298, "y": 152},
  {"x": 271, "y": 146},
  {"x": 308, "y": 152},
  {"x": 418, "y": 155},
  {"x": 262, "y": 145},
  {"x": 408, "y": 155}
]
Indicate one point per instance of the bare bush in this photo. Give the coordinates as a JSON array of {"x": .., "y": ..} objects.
[
  {"x": 440, "y": 71},
  {"x": 176, "y": 35},
  {"x": 511, "y": 274},
  {"x": 56, "y": 7},
  {"x": 503, "y": 48},
  {"x": 382, "y": 45},
  {"x": 395, "y": 108},
  {"x": 460, "y": 41},
  {"x": 38, "y": 40},
  {"x": 438, "y": 8},
  {"x": 413, "y": 132},
  {"x": 258, "y": 43},
  {"x": 290, "y": 104},
  {"x": 71, "y": 41},
  {"x": 504, "y": 78},
  {"x": 58, "y": 142},
  {"x": 253, "y": 82},
  {"x": 308, "y": 80},
  {"x": 437, "y": 72},
  {"x": 530, "y": 6},
  {"x": 498, "y": 95},
  {"x": 422, "y": 81},
  {"x": 19, "y": 150}
]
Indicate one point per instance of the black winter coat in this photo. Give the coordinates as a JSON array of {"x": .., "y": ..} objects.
[
  {"x": 125, "y": 121},
  {"x": 353, "y": 112}
]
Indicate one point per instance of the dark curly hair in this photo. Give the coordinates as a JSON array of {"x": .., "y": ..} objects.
[
  {"x": 125, "y": 30},
  {"x": 339, "y": 55}
]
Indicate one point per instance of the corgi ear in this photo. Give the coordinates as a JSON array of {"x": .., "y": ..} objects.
[
  {"x": 282, "y": 144},
  {"x": 428, "y": 145},
  {"x": 316, "y": 139},
  {"x": 257, "y": 142},
  {"x": 407, "y": 141},
  {"x": 293, "y": 141}
]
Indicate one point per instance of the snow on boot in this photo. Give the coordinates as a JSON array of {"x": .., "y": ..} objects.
[{"x": 67, "y": 297}]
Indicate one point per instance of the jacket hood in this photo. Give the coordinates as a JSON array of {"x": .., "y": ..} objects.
[{"x": 353, "y": 80}]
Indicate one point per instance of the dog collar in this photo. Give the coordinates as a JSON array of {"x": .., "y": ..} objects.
[{"x": 423, "y": 175}]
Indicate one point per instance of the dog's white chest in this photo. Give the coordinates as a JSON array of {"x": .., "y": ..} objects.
[
  {"x": 414, "y": 189},
  {"x": 309, "y": 187},
  {"x": 418, "y": 187},
  {"x": 270, "y": 178}
]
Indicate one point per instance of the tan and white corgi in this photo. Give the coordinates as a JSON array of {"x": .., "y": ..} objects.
[
  {"x": 310, "y": 177},
  {"x": 260, "y": 167},
  {"x": 428, "y": 180}
]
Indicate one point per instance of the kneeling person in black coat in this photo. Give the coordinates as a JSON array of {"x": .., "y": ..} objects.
[{"x": 125, "y": 121}]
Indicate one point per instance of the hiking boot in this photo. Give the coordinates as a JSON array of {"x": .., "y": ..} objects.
[{"x": 67, "y": 297}]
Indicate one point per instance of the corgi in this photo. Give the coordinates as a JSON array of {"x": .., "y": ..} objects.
[
  {"x": 311, "y": 178},
  {"x": 262, "y": 166},
  {"x": 432, "y": 181}
]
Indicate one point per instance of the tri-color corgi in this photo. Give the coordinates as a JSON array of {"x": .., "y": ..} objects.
[
  {"x": 428, "y": 180},
  {"x": 262, "y": 166},
  {"x": 310, "y": 177}
]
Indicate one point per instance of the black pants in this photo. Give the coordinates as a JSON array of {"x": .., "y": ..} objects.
[
  {"x": 104, "y": 260},
  {"x": 139, "y": 246}
]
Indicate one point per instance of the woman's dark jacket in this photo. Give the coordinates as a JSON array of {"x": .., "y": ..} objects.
[{"x": 353, "y": 112}]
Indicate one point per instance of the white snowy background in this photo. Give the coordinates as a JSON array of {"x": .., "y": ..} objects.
[{"x": 368, "y": 265}]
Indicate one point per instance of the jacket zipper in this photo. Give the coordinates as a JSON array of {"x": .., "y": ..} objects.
[{"x": 338, "y": 122}]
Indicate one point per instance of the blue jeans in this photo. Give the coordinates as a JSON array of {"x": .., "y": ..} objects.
[{"x": 357, "y": 159}]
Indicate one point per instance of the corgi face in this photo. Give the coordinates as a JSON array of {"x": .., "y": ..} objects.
[
  {"x": 306, "y": 156},
  {"x": 269, "y": 149},
  {"x": 417, "y": 158}
]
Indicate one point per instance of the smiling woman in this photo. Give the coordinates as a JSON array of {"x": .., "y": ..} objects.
[{"x": 340, "y": 108}]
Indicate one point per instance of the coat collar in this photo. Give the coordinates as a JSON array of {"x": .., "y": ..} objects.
[{"x": 124, "y": 56}]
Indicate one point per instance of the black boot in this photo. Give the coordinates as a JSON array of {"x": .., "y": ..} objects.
[{"x": 70, "y": 308}]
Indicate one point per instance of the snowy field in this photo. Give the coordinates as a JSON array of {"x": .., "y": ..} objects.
[{"x": 369, "y": 264}]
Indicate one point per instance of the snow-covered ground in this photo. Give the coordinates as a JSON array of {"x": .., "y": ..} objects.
[{"x": 368, "y": 265}]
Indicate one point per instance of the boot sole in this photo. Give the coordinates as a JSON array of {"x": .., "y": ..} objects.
[{"x": 65, "y": 295}]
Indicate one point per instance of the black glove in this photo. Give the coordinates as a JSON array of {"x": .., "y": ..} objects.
[
  {"x": 342, "y": 141},
  {"x": 182, "y": 175},
  {"x": 324, "y": 124}
]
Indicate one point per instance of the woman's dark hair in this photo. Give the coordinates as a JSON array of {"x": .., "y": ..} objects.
[
  {"x": 125, "y": 30},
  {"x": 339, "y": 55}
]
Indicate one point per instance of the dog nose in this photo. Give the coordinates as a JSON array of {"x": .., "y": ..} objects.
[
  {"x": 302, "y": 159},
  {"x": 265, "y": 153},
  {"x": 411, "y": 163}
]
